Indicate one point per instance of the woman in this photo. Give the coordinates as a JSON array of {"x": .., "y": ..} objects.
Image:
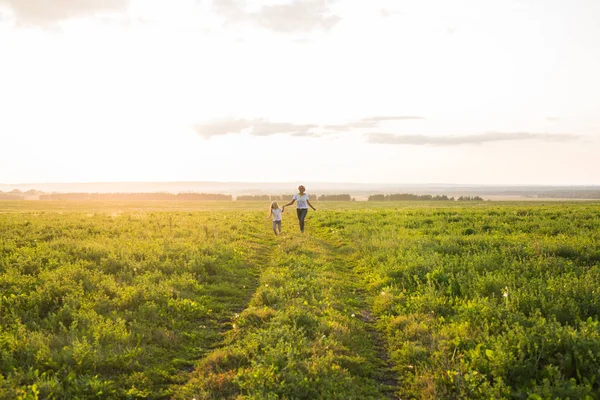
[{"x": 301, "y": 207}]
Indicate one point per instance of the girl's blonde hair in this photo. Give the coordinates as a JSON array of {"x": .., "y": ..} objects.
[{"x": 274, "y": 205}]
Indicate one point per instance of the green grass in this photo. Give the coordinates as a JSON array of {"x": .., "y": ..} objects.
[
  {"x": 490, "y": 302},
  {"x": 116, "y": 305},
  {"x": 376, "y": 300}
]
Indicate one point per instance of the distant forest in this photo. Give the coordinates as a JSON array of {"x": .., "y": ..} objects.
[
  {"x": 411, "y": 197},
  {"x": 270, "y": 197},
  {"x": 288, "y": 197},
  {"x": 15, "y": 195},
  {"x": 136, "y": 196},
  {"x": 591, "y": 194}
]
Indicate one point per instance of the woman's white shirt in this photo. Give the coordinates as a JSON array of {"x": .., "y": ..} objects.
[{"x": 301, "y": 199}]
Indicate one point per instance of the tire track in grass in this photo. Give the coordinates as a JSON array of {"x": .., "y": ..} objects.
[
  {"x": 344, "y": 253},
  {"x": 260, "y": 248},
  {"x": 256, "y": 245},
  {"x": 301, "y": 336}
]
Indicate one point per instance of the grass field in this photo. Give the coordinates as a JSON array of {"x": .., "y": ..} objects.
[{"x": 383, "y": 300}]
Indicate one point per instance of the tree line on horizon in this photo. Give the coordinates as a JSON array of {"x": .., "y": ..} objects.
[
  {"x": 137, "y": 196},
  {"x": 270, "y": 197},
  {"x": 163, "y": 196},
  {"x": 33, "y": 194},
  {"x": 185, "y": 197},
  {"x": 419, "y": 197},
  {"x": 286, "y": 197}
]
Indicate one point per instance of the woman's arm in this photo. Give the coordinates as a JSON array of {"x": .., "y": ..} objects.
[
  {"x": 270, "y": 213},
  {"x": 289, "y": 204},
  {"x": 311, "y": 206}
]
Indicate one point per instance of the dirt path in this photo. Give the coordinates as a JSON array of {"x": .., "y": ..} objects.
[
  {"x": 343, "y": 254},
  {"x": 307, "y": 331}
]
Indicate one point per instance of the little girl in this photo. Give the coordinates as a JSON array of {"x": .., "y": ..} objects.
[{"x": 275, "y": 211}]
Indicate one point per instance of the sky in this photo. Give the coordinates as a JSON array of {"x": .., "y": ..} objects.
[{"x": 378, "y": 91}]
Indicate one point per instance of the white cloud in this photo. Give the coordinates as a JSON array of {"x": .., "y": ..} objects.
[
  {"x": 263, "y": 127},
  {"x": 297, "y": 16},
  {"x": 451, "y": 140},
  {"x": 45, "y": 12},
  {"x": 256, "y": 127}
]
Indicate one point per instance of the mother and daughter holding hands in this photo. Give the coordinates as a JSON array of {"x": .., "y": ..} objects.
[{"x": 301, "y": 209}]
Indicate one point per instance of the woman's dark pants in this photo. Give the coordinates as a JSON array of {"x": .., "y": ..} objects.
[{"x": 301, "y": 215}]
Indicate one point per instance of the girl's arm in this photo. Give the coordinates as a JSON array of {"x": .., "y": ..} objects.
[
  {"x": 270, "y": 213},
  {"x": 311, "y": 206}
]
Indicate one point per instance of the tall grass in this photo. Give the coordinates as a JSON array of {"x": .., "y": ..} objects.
[{"x": 375, "y": 300}]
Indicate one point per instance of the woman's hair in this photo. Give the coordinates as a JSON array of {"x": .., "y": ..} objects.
[
  {"x": 301, "y": 186},
  {"x": 274, "y": 204}
]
